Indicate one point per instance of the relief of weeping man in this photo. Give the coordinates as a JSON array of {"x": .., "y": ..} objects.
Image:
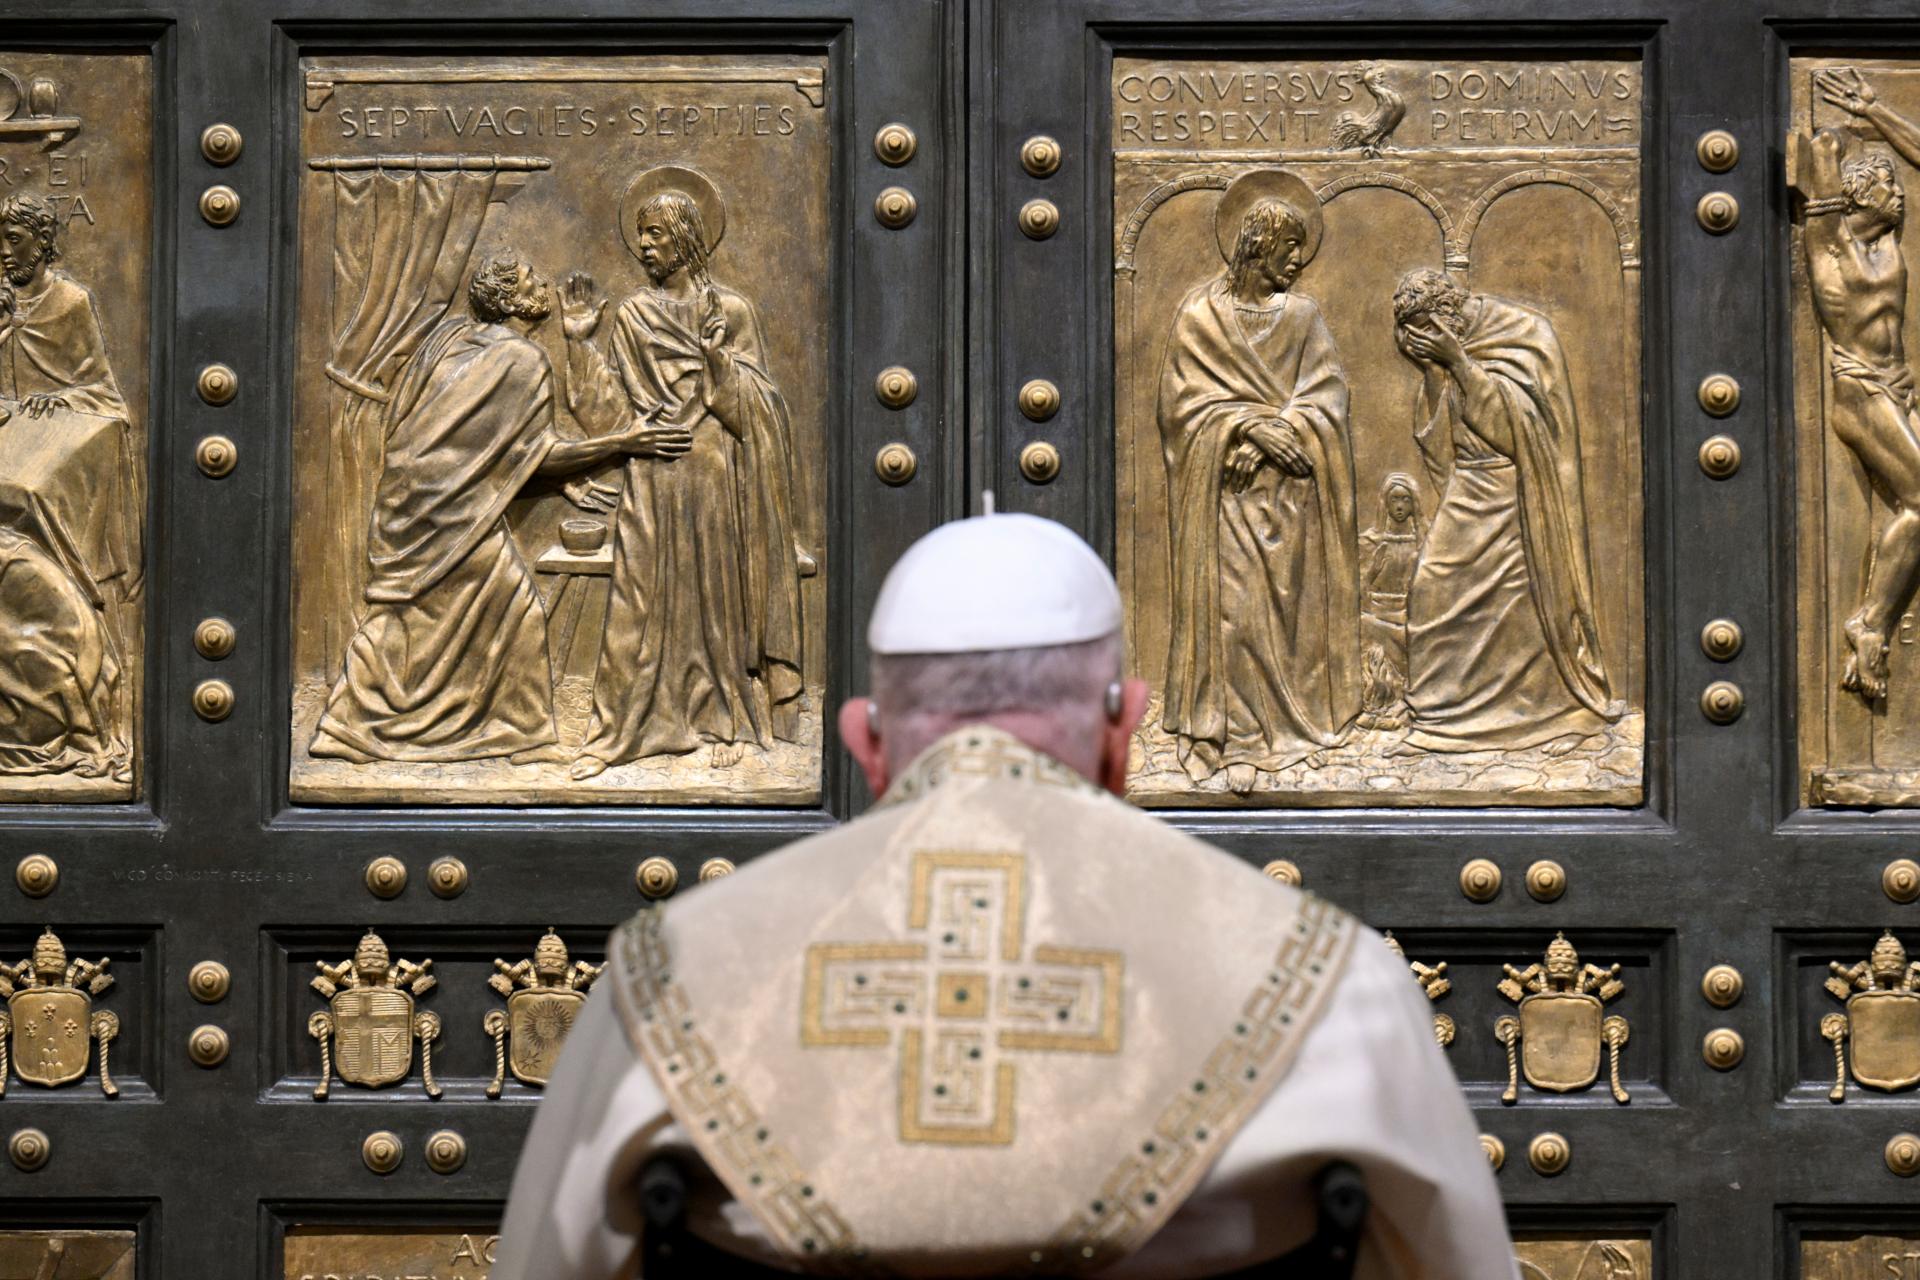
[
  {"x": 1479, "y": 625},
  {"x": 702, "y": 639}
]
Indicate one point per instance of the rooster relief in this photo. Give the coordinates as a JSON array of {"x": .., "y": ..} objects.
[{"x": 1368, "y": 131}]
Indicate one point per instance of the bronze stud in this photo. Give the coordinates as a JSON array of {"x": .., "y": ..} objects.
[
  {"x": 213, "y": 700},
  {"x": 1040, "y": 462},
  {"x": 220, "y": 204},
  {"x": 1720, "y": 456},
  {"x": 1039, "y": 400},
  {"x": 29, "y": 1149},
  {"x": 1722, "y": 986},
  {"x": 1549, "y": 1154},
  {"x": 208, "y": 1046},
  {"x": 446, "y": 1151},
  {"x": 1718, "y": 212},
  {"x": 1040, "y": 156},
  {"x": 1719, "y": 394},
  {"x": 1722, "y": 702},
  {"x": 656, "y": 877},
  {"x": 1039, "y": 219},
  {"x": 1722, "y": 639},
  {"x": 214, "y": 638},
  {"x": 1285, "y": 870},
  {"x": 1903, "y": 1154},
  {"x": 1480, "y": 880},
  {"x": 895, "y": 144},
  {"x": 220, "y": 144},
  {"x": 381, "y": 1151},
  {"x": 385, "y": 876},
  {"x": 447, "y": 877},
  {"x": 208, "y": 982},
  {"x": 217, "y": 384},
  {"x": 37, "y": 875},
  {"x": 716, "y": 869},
  {"x": 896, "y": 387},
  {"x": 1717, "y": 151},
  {"x": 217, "y": 456},
  {"x": 895, "y": 207},
  {"x": 895, "y": 464},
  {"x": 1900, "y": 880},
  {"x": 1546, "y": 880},
  {"x": 1723, "y": 1048},
  {"x": 1495, "y": 1149}
]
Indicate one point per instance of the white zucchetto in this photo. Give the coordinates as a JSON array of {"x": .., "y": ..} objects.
[{"x": 994, "y": 582}]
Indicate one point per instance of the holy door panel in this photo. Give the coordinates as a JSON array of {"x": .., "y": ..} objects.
[
  {"x": 1851, "y": 158},
  {"x": 1584, "y": 1257},
  {"x": 1378, "y": 445},
  {"x": 559, "y": 433},
  {"x": 76, "y": 226},
  {"x": 415, "y": 1253}
]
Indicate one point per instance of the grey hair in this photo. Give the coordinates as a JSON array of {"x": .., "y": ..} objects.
[{"x": 925, "y": 695}]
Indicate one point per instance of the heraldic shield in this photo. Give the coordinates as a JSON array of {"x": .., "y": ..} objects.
[
  {"x": 1882, "y": 995},
  {"x": 1560, "y": 1040},
  {"x": 50, "y": 1040},
  {"x": 537, "y": 1026},
  {"x": 372, "y": 1036}
]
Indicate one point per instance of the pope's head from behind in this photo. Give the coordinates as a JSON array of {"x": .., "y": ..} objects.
[{"x": 1005, "y": 620}]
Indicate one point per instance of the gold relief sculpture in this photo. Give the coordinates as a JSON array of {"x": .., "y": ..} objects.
[
  {"x": 544, "y": 995},
  {"x": 1851, "y": 158},
  {"x": 1560, "y": 1029},
  {"x": 1377, "y": 333},
  {"x": 371, "y": 1023},
  {"x": 1434, "y": 982},
  {"x": 50, "y": 1025},
  {"x": 1862, "y": 1257},
  {"x": 1584, "y": 1258},
  {"x": 67, "y": 1255},
  {"x": 75, "y": 223},
  {"x": 1882, "y": 1021},
  {"x": 575, "y": 562},
  {"x": 417, "y": 1253}
]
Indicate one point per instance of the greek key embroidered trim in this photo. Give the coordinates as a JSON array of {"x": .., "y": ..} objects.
[{"x": 729, "y": 1133}]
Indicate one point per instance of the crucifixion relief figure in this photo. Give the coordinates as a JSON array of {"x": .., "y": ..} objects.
[
  {"x": 1503, "y": 650},
  {"x": 1855, "y": 210},
  {"x": 1262, "y": 668},
  {"x": 703, "y": 637},
  {"x": 450, "y": 662}
]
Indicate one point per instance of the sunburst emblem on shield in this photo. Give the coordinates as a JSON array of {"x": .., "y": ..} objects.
[
  {"x": 1882, "y": 1019},
  {"x": 370, "y": 1025},
  {"x": 49, "y": 1025},
  {"x": 544, "y": 996},
  {"x": 1561, "y": 1027}
]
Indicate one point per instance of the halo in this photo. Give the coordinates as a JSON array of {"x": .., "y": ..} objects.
[
  {"x": 1250, "y": 189},
  {"x": 693, "y": 184}
]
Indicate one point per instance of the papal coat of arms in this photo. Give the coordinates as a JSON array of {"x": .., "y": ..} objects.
[
  {"x": 1560, "y": 1027},
  {"x": 544, "y": 995},
  {"x": 50, "y": 1023},
  {"x": 1434, "y": 982},
  {"x": 1882, "y": 1019},
  {"x": 368, "y": 1030}
]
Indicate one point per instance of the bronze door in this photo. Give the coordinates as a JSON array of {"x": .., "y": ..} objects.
[{"x": 1493, "y": 421}]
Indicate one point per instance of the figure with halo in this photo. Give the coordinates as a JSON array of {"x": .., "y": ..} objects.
[
  {"x": 702, "y": 647},
  {"x": 1262, "y": 668}
]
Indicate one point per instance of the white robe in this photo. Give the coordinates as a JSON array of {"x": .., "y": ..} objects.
[{"x": 1366, "y": 1083}]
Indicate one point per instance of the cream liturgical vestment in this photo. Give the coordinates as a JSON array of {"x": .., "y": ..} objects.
[{"x": 1004, "y": 1024}]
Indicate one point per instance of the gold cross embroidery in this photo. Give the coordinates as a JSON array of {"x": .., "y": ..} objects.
[{"x": 962, "y": 998}]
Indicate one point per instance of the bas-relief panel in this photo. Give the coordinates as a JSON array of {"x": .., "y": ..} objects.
[
  {"x": 1378, "y": 454},
  {"x": 67, "y": 1255},
  {"x": 76, "y": 219},
  {"x": 1851, "y": 159},
  {"x": 398, "y": 1253},
  {"x": 1584, "y": 1258},
  {"x": 559, "y": 431},
  {"x": 1861, "y": 1258}
]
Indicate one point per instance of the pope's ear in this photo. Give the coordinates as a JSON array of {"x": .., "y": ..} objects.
[
  {"x": 1119, "y": 737},
  {"x": 858, "y": 733}
]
